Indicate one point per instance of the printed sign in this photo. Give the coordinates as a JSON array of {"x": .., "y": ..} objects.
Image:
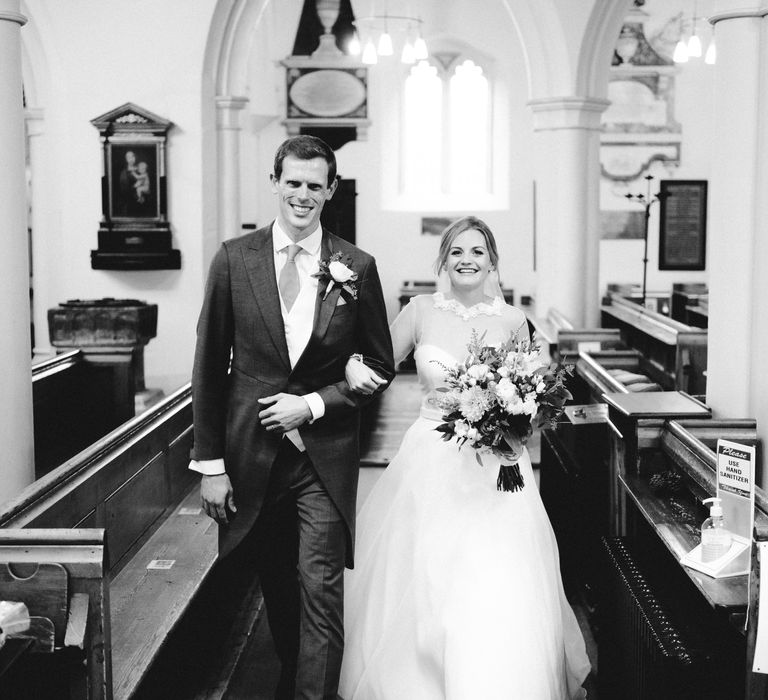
[
  {"x": 161, "y": 563},
  {"x": 736, "y": 491},
  {"x": 735, "y": 468}
]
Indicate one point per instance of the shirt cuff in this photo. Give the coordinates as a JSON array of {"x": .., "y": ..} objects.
[
  {"x": 316, "y": 405},
  {"x": 208, "y": 467}
]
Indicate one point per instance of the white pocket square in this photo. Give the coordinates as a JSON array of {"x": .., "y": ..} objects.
[{"x": 341, "y": 301}]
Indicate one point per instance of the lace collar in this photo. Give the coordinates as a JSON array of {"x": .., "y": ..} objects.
[{"x": 481, "y": 309}]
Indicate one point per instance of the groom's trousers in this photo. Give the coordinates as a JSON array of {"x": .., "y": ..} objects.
[{"x": 301, "y": 547}]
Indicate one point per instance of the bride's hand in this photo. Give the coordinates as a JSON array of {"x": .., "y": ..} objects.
[{"x": 361, "y": 378}]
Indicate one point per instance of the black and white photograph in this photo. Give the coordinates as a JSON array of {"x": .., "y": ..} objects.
[{"x": 383, "y": 350}]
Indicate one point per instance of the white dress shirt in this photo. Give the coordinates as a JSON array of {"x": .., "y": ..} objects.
[{"x": 298, "y": 323}]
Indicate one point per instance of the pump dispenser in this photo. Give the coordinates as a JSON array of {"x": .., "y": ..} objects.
[{"x": 715, "y": 538}]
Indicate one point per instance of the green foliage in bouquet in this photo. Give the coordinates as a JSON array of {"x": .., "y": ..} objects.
[{"x": 495, "y": 398}]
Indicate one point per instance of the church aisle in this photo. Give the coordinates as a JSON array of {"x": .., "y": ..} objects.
[{"x": 213, "y": 674}]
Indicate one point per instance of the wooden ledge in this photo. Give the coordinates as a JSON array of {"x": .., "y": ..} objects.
[{"x": 147, "y": 603}]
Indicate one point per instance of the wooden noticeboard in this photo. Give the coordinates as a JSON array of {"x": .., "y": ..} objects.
[{"x": 683, "y": 224}]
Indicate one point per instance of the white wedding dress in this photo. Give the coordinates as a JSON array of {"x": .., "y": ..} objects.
[{"x": 456, "y": 592}]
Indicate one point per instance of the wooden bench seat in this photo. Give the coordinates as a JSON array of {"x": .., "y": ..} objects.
[
  {"x": 562, "y": 340},
  {"x": 600, "y": 372},
  {"x": 133, "y": 490},
  {"x": 147, "y": 603},
  {"x": 678, "y": 349}
]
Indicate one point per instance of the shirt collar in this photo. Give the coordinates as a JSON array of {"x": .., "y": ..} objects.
[{"x": 311, "y": 244}]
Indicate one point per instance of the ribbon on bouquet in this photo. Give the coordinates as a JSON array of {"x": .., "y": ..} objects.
[{"x": 510, "y": 478}]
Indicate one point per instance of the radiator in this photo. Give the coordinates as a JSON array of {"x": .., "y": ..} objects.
[{"x": 642, "y": 653}]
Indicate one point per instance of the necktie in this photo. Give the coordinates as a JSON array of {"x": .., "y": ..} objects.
[{"x": 289, "y": 278}]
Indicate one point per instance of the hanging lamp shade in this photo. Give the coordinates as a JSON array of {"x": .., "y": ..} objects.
[{"x": 681, "y": 52}]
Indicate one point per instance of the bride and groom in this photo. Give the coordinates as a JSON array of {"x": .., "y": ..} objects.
[{"x": 455, "y": 591}]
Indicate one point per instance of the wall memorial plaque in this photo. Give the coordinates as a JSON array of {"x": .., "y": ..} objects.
[
  {"x": 682, "y": 224},
  {"x": 134, "y": 233}
]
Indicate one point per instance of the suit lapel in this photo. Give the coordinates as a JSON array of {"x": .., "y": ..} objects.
[
  {"x": 324, "y": 308},
  {"x": 260, "y": 265}
]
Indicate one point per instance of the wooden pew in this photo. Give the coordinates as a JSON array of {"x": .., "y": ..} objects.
[
  {"x": 636, "y": 485},
  {"x": 675, "y": 348},
  {"x": 659, "y": 522},
  {"x": 547, "y": 328},
  {"x": 563, "y": 341},
  {"x": 76, "y": 402},
  {"x": 64, "y": 569},
  {"x": 601, "y": 372},
  {"x": 684, "y": 297},
  {"x": 135, "y": 486}
]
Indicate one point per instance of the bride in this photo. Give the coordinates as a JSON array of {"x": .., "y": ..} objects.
[{"x": 456, "y": 592}]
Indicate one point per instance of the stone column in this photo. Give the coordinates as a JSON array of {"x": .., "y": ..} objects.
[
  {"x": 228, "y": 135},
  {"x": 16, "y": 436},
  {"x": 737, "y": 382},
  {"x": 567, "y": 206},
  {"x": 41, "y": 273}
]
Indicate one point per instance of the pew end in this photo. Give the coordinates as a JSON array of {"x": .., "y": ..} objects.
[
  {"x": 564, "y": 341},
  {"x": 60, "y": 575},
  {"x": 133, "y": 489}
]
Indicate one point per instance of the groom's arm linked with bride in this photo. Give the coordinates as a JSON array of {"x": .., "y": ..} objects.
[{"x": 276, "y": 426}]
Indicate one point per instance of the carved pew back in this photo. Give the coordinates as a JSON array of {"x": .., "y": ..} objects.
[{"x": 125, "y": 485}]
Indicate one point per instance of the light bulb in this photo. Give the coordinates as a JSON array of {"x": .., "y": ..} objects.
[
  {"x": 369, "y": 53},
  {"x": 681, "y": 52},
  {"x": 408, "y": 55},
  {"x": 385, "y": 45},
  {"x": 353, "y": 47},
  {"x": 694, "y": 46},
  {"x": 711, "y": 55},
  {"x": 420, "y": 49}
]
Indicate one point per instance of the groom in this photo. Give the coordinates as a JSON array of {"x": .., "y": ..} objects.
[{"x": 275, "y": 423}]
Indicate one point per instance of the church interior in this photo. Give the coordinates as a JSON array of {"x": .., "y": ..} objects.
[{"x": 616, "y": 148}]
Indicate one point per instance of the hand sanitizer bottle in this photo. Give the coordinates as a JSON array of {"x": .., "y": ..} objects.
[{"x": 715, "y": 538}]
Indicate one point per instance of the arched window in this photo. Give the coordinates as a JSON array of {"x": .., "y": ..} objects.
[{"x": 446, "y": 134}]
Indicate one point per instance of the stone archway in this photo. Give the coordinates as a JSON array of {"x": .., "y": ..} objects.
[
  {"x": 224, "y": 95},
  {"x": 567, "y": 58}
]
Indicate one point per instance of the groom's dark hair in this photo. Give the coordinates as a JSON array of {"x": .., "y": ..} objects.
[{"x": 305, "y": 147}]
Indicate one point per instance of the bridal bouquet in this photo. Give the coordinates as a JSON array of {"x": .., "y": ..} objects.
[{"x": 495, "y": 398}]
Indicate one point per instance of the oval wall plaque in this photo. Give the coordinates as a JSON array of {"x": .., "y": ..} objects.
[{"x": 327, "y": 93}]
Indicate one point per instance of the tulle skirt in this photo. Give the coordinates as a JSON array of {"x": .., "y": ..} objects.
[{"x": 456, "y": 592}]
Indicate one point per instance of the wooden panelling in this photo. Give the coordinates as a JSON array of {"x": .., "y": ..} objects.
[
  {"x": 180, "y": 478},
  {"x": 76, "y": 402},
  {"x": 124, "y": 483},
  {"x": 134, "y": 508}
]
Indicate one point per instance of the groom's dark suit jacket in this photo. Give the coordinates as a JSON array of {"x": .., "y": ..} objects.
[{"x": 242, "y": 355}]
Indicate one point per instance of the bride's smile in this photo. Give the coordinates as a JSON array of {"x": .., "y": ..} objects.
[{"x": 468, "y": 265}]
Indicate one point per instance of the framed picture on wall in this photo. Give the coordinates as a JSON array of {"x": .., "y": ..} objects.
[
  {"x": 134, "y": 181},
  {"x": 682, "y": 224},
  {"x": 134, "y": 233},
  {"x": 434, "y": 225}
]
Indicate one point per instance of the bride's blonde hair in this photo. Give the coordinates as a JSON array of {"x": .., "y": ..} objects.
[{"x": 454, "y": 230}]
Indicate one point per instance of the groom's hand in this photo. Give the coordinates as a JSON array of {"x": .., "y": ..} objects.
[
  {"x": 217, "y": 497},
  {"x": 284, "y": 412}
]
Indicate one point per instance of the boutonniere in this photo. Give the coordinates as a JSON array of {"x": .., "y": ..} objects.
[{"x": 336, "y": 270}]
